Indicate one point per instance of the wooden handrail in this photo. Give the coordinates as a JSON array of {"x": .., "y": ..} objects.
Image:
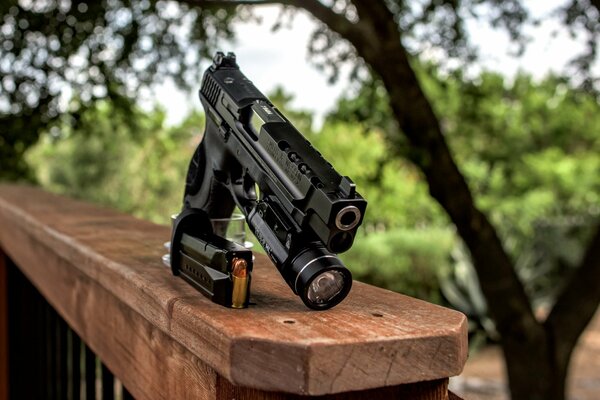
[{"x": 101, "y": 270}]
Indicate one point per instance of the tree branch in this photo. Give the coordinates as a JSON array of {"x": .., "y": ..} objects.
[
  {"x": 353, "y": 32},
  {"x": 579, "y": 300},
  {"x": 335, "y": 21}
]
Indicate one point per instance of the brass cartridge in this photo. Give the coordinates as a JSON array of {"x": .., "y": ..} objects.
[{"x": 239, "y": 276}]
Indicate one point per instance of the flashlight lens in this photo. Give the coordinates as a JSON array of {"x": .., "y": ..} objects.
[{"x": 325, "y": 287}]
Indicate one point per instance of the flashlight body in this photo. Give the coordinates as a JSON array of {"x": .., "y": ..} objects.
[{"x": 303, "y": 208}]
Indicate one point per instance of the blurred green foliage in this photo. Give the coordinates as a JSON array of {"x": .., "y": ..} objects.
[
  {"x": 407, "y": 260},
  {"x": 137, "y": 167},
  {"x": 529, "y": 150}
]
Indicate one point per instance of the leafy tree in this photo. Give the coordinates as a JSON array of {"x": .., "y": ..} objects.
[
  {"x": 530, "y": 153},
  {"x": 528, "y": 149},
  {"x": 52, "y": 51}
]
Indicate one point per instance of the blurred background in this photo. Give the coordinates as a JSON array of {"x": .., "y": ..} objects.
[{"x": 99, "y": 101}]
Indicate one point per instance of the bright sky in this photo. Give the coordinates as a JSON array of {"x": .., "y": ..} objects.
[{"x": 280, "y": 59}]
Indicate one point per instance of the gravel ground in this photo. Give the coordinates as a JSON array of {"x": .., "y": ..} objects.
[{"x": 484, "y": 376}]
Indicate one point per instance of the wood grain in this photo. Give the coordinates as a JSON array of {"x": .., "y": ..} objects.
[{"x": 102, "y": 271}]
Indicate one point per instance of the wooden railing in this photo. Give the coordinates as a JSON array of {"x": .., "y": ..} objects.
[{"x": 101, "y": 272}]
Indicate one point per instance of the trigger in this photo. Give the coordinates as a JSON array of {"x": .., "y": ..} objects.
[
  {"x": 244, "y": 191},
  {"x": 249, "y": 186}
]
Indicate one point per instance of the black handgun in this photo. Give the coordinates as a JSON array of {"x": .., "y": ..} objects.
[{"x": 299, "y": 208}]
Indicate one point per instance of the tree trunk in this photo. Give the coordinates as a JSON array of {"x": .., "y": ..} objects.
[
  {"x": 507, "y": 301},
  {"x": 533, "y": 370}
]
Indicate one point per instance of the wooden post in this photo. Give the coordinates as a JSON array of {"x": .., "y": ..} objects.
[{"x": 102, "y": 272}]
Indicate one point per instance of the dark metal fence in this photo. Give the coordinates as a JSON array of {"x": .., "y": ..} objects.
[{"x": 46, "y": 358}]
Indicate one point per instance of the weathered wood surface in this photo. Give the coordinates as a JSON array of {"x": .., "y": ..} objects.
[{"x": 102, "y": 271}]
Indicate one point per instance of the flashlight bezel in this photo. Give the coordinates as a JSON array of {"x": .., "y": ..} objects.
[{"x": 309, "y": 265}]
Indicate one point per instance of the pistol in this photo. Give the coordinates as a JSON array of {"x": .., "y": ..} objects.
[{"x": 300, "y": 209}]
